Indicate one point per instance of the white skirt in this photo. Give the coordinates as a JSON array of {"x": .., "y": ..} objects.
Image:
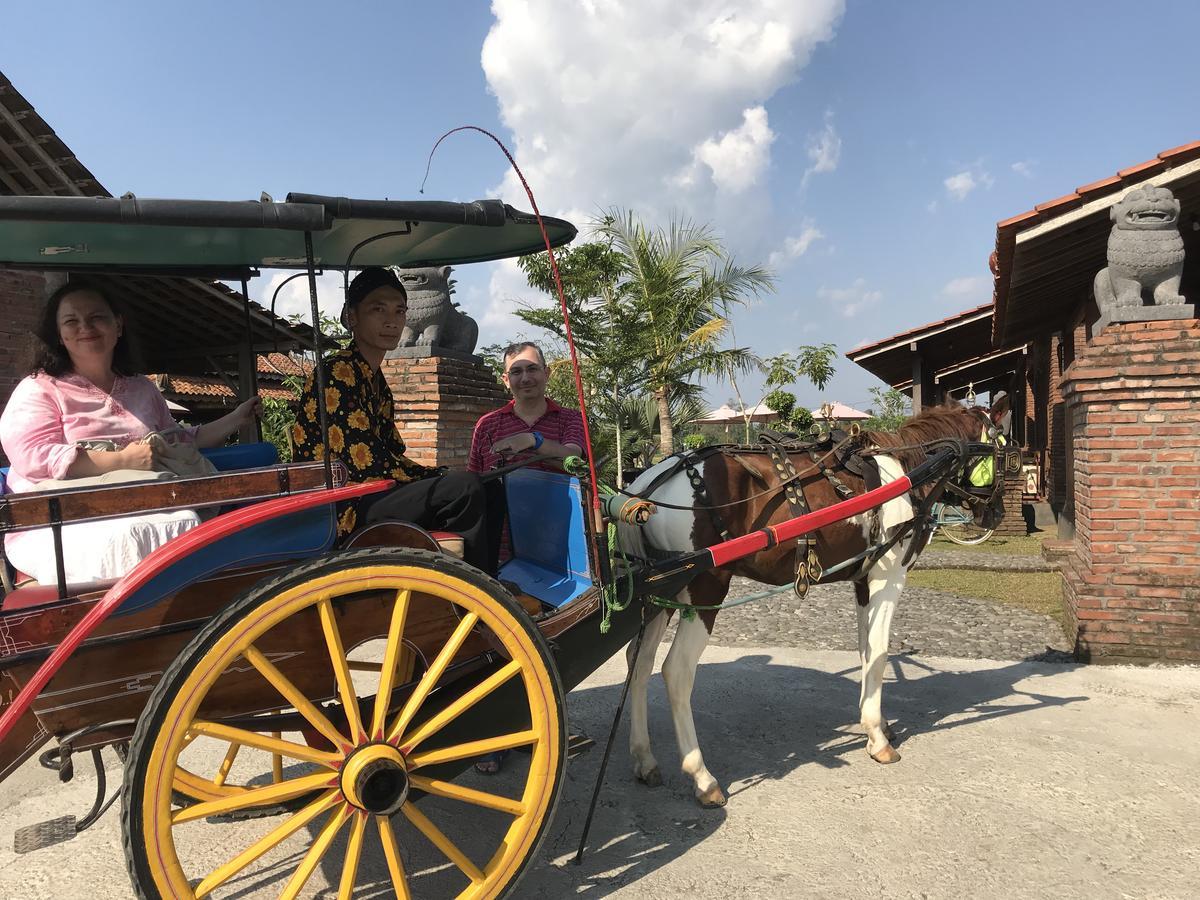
[{"x": 96, "y": 551}]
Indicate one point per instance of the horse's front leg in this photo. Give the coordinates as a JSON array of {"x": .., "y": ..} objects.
[
  {"x": 645, "y": 767},
  {"x": 679, "y": 673},
  {"x": 885, "y": 581}
]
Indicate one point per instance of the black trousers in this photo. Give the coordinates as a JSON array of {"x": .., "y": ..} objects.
[{"x": 454, "y": 502}]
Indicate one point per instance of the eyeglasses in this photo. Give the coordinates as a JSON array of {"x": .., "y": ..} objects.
[{"x": 522, "y": 371}]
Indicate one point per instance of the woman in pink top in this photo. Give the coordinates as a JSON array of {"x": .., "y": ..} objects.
[{"x": 84, "y": 388}]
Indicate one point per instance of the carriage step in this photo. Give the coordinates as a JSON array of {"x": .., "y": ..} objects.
[{"x": 44, "y": 834}]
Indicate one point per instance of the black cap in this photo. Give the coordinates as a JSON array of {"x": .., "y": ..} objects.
[{"x": 364, "y": 282}]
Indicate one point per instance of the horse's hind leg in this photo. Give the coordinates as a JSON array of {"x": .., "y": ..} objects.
[
  {"x": 679, "y": 672},
  {"x": 884, "y": 583},
  {"x": 645, "y": 767}
]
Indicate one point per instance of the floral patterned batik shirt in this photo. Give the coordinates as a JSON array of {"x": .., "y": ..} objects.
[{"x": 362, "y": 427}]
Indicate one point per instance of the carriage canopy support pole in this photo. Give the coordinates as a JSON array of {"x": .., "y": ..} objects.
[
  {"x": 248, "y": 368},
  {"x": 318, "y": 371}
]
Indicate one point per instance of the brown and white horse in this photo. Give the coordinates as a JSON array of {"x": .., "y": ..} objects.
[{"x": 740, "y": 486}]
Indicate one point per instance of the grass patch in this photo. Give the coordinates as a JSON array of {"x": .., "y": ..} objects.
[
  {"x": 1000, "y": 545},
  {"x": 1039, "y": 592}
]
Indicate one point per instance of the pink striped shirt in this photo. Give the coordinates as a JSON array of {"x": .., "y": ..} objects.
[{"x": 557, "y": 424}]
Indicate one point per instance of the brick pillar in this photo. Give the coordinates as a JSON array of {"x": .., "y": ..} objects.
[
  {"x": 1013, "y": 523},
  {"x": 438, "y": 401},
  {"x": 21, "y": 296},
  {"x": 1132, "y": 578}
]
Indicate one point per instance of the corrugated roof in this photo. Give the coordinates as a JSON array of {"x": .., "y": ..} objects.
[
  {"x": 33, "y": 159},
  {"x": 1089, "y": 254}
]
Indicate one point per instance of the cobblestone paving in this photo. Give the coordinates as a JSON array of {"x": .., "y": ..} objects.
[
  {"x": 927, "y": 622},
  {"x": 994, "y": 562}
]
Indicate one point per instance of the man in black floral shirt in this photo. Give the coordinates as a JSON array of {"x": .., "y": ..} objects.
[{"x": 363, "y": 433}]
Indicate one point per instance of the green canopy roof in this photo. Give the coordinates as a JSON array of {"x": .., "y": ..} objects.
[{"x": 227, "y": 238}]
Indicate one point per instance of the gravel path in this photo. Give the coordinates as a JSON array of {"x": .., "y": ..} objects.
[
  {"x": 927, "y": 622},
  {"x": 992, "y": 562}
]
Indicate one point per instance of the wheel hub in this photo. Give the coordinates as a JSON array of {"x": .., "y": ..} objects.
[{"x": 375, "y": 779}]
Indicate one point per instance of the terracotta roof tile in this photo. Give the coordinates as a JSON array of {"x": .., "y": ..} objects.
[
  {"x": 1143, "y": 170},
  {"x": 916, "y": 332},
  {"x": 1059, "y": 204},
  {"x": 1181, "y": 154},
  {"x": 1007, "y": 229}
]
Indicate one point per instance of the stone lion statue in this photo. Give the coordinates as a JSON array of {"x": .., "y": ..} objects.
[
  {"x": 1145, "y": 251},
  {"x": 433, "y": 318}
]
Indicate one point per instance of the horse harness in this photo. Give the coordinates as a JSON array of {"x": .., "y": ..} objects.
[{"x": 838, "y": 445}]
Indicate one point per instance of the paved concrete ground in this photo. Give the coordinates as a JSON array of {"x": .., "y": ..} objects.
[{"x": 1019, "y": 779}]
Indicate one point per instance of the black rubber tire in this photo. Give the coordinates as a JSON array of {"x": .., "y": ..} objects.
[{"x": 160, "y": 699}]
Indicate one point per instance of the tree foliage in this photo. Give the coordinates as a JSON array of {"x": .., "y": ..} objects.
[{"x": 889, "y": 411}]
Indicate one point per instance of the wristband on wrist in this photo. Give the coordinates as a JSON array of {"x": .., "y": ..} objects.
[{"x": 538, "y": 440}]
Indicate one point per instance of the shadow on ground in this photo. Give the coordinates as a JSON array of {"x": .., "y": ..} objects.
[{"x": 758, "y": 722}]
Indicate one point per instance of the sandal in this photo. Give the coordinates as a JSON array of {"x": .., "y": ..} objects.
[{"x": 490, "y": 764}]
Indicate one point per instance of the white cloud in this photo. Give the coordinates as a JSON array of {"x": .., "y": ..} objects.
[
  {"x": 959, "y": 185},
  {"x": 824, "y": 150},
  {"x": 293, "y": 298},
  {"x": 737, "y": 159},
  {"x": 1024, "y": 167},
  {"x": 851, "y": 300},
  {"x": 655, "y": 105},
  {"x": 975, "y": 288},
  {"x": 797, "y": 246}
]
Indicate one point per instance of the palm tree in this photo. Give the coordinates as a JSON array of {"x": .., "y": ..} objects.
[{"x": 682, "y": 285}]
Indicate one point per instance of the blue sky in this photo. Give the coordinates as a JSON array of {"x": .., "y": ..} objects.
[{"x": 864, "y": 149}]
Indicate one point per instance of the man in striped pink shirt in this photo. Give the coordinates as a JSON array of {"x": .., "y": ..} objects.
[{"x": 531, "y": 421}]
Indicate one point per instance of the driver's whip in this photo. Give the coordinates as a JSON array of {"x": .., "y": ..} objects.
[{"x": 562, "y": 299}]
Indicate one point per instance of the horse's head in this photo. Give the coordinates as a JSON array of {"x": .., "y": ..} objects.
[{"x": 979, "y": 485}]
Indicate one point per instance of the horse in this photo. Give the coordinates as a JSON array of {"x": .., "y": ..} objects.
[{"x": 729, "y": 491}]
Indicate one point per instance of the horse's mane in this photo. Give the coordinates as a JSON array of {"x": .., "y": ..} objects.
[{"x": 950, "y": 420}]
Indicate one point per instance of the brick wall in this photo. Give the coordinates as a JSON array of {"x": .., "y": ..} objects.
[
  {"x": 21, "y": 295},
  {"x": 438, "y": 401},
  {"x": 1132, "y": 580}
]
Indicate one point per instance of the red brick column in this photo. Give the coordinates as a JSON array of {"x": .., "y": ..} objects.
[
  {"x": 1132, "y": 580},
  {"x": 21, "y": 296},
  {"x": 438, "y": 401},
  {"x": 1013, "y": 523}
]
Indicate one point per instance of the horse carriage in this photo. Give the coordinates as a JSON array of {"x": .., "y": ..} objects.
[{"x": 330, "y": 693}]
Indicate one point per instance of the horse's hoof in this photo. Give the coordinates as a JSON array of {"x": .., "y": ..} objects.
[
  {"x": 886, "y": 756},
  {"x": 712, "y": 798},
  {"x": 653, "y": 778}
]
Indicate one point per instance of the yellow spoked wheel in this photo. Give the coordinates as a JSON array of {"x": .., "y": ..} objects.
[{"x": 371, "y": 752}]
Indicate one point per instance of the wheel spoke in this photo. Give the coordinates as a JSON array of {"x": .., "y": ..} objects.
[
  {"x": 353, "y": 852},
  {"x": 316, "y": 851},
  {"x": 473, "y": 748},
  {"x": 431, "y": 676},
  {"x": 467, "y": 795},
  {"x": 239, "y": 737},
  {"x": 391, "y": 659},
  {"x": 392, "y": 853},
  {"x": 269, "y": 841},
  {"x": 226, "y": 763},
  {"x": 443, "y": 843},
  {"x": 292, "y": 694},
  {"x": 341, "y": 671},
  {"x": 461, "y": 705},
  {"x": 264, "y": 796}
]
